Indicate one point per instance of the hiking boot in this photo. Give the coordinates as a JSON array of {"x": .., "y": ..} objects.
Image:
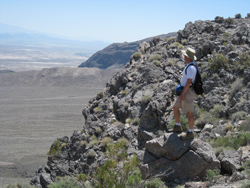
[
  {"x": 187, "y": 136},
  {"x": 177, "y": 129}
]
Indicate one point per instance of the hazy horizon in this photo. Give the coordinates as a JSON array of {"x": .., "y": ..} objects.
[{"x": 114, "y": 21}]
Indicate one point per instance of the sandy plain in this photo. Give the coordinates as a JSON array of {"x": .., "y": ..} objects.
[{"x": 31, "y": 118}]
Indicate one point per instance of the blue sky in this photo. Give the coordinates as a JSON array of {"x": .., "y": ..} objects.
[{"x": 114, "y": 20}]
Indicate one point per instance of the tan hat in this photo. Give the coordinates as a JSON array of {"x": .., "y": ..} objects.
[{"x": 189, "y": 53}]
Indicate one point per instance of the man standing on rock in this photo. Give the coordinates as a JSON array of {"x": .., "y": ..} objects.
[{"x": 186, "y": 100}]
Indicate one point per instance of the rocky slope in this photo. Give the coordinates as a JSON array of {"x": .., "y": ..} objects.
[
  {"x": 59, "y": 76},
  {"x": 116, "y": 54},
  {"x": 136, "y": 105}
]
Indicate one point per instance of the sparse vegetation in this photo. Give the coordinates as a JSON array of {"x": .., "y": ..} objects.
[
  {"x": 217, "y": 62},
  {"x": 233, "y": 142},
  {"x": 241, "y": 115},
  {"x": 135, "y": 121},
  {"x": 216, "y": 110},
  {"x": 155, "y": 57},
  {"x": 146, "y": 99},
  {"x": 100, "y": 95},
  {"x": 238, "y": 16},
  {"x": 245, "y": 126},
  {"x": 212, "y": 174},
  {"x": 67, "y": 182},
  {"x": 56, "y": 148},
  {"x": 97, "y": 109},
  {"x": 106, "y": 141},
  {"x": 136, "y": 55}
]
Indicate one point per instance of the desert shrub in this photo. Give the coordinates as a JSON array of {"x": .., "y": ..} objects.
[
  {"x": 136, "y": 55},
  {"x": 219, "y": 19},
  {"x": 134, "y": 178},
  {"x": 155, "y": 57},
  {"x": 245, "y": 126},
  {"x": 99, "y": 95},
  {"x": 110, "y": 176},
  {"x": 135, "y": 121},
  {"x": 246, "y": 167},
  {"x": 97, "y": 109},
  {"x": 155, "y": 183},
  {"x": 241, "y": 115},
  {"x": 238, "y": 16},
  {"x": 233, "y": 142},
  {"x": 226, "y": 37},
  {"x": 128, "y": 120},
  {"x": 216, "y": 110},
  {"x": 157, "y": 62},
  {"x": 124, "y": 141},
  {"x": 205, "y": 118},
  {"x": 106, "y": 141},
  {"x": 235, "y": 88},
  {"x": 98, "y": 130},
  {"x": 93, "y": 143},
  {"x": 56, "y": 148},
  {"x": 228, "y": 127},
  {"x": 170, "y": 62},
  {"x": 66, "y": 182},
  {"x": 211, "y": 174},
  {"x": 245, "y": 184},
  {"x": 146, "y": 99},
  {"x": 124, "y": 92},
  {"x": 83, "y": 143},
  {"x": 92, "y": 154},
  {"x": 217, "y": 62},
  {"x": 229, "y": 21},
  {"x": 81, "y": 177},
  {"x": 184, "y": 123},
  {"x": 243, "y": 63}
]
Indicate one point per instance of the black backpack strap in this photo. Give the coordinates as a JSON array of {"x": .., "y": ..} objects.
[{"x": 190, "y": 65}]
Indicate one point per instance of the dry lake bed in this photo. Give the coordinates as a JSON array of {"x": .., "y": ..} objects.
[{"x": 31, "y": 118}]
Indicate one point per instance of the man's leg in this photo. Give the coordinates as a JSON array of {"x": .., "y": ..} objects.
[
  {"x": 177, "y": 115},
  {"x": 190, "y": 133},
  {"x": 190, "y": 116}
]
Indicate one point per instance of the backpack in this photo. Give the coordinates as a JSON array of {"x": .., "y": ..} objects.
[{"x": 198, "y": 82}]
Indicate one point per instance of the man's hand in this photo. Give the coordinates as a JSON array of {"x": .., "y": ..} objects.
[{"x": 188, "y": 83}]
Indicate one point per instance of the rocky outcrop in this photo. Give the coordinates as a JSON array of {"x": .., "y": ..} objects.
[
  {"x": 137, "y": 105},
  {"x": 177, "y": 159}
]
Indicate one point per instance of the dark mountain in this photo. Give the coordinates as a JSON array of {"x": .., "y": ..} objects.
[{"x": 117, "y": 54}]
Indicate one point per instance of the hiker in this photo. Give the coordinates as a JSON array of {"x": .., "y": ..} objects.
[{"x": 186, "y": 99}]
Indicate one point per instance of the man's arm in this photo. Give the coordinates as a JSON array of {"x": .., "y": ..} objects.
[{"x": 188, "y": 84}]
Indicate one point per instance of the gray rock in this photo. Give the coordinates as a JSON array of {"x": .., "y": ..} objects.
[{"x": 230, "y": 160}]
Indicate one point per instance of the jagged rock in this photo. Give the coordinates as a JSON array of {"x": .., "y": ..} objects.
[
  {"x": 230, "y": 160},
  {"x": 177, "y": 158}
]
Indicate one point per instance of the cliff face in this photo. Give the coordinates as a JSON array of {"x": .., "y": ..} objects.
[{"x": 137, "y": 105}]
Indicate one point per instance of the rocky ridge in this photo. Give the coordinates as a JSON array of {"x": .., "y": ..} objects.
[{"x": 136, "y": 105}]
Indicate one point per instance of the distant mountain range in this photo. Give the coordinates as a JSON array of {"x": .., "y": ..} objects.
[
  {"x": 12, "y": 35},
  {"x": 117, "y": 54}
]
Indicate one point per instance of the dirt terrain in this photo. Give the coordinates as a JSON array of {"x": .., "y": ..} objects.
[{"x": 31, "y": 118}]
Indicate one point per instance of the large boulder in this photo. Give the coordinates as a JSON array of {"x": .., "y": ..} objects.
[{"x": 174, "y": 158}]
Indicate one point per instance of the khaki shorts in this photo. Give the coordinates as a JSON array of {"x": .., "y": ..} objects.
[{"x": 187, "y": 105}]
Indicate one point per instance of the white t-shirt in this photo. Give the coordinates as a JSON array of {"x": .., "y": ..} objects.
[{"x": 191, "y": 73}]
